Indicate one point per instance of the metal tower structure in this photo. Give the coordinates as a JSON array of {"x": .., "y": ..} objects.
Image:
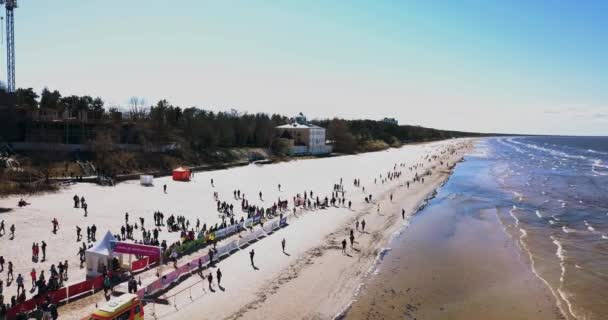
[{"x": 10, "y": 43}]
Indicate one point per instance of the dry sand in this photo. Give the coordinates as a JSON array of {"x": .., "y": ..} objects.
[{"x": 314, "y": 281}]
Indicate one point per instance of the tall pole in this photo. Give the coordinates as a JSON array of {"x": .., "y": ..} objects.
[{"x": 10, "y": 46}]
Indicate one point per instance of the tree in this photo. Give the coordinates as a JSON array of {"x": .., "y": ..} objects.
[
  {"x": 26, "y": 98},
  {"x": 280, "y": 146},
  {"x": 49, "y": 100},
  {"x": 137, "y": 112},
  {"x": 339, "y": 132}
]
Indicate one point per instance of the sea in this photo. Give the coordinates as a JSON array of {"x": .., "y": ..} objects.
[{"x": 547, "y": 194}]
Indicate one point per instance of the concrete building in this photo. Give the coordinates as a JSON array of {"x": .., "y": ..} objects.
[{"x": 307, "y": 139}]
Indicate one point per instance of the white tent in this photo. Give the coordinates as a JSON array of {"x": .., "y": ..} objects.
[
  {"x": 146, "y": 180},
  {"x": 99, "y": 255}
]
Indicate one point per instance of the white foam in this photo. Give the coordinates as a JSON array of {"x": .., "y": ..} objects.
[
  {"x": 589, "y": 227},
  {"x": 565, "y": 229},
  {"x": 605, "y": 237},
  {"x": 538, "y": 214},
  {"x": 512, "y": 213}
]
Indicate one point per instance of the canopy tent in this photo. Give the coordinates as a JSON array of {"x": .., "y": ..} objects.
[
  {"x": 146, "y": 180},
  {"x": 181, "y": 174},
  {"x": 99, "y": 255}
]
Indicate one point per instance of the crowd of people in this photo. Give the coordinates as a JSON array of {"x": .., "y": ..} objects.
[{"x": 136, "y": 231}]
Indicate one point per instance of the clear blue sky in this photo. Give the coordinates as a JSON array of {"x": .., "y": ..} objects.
[{"x": 494, "y": 66}]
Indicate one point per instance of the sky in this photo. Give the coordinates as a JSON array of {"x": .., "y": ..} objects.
[{"x": 514, "y": 66}]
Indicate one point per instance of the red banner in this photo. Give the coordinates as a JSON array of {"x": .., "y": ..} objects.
[
  {"x": 79, "y": 288},
  {"x": 137, "y": 249},
  {"x": 139, "y": 264},
  {"x": 22, "y": 307},
  {"x": 59, "y": 295},
  {"x": 97, "y": 282}
]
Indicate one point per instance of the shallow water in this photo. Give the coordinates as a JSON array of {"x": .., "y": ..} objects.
[{"x": 519, "y": 231}]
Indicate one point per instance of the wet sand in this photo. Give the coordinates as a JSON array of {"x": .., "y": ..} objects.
[{"x": 455, "y": 262}]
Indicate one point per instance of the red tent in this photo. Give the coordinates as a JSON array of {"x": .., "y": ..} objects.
[{"x": 181, "y": 174}]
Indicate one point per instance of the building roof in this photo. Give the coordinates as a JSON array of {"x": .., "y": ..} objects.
[
  {"x": 296, "y": 125},
  {"x": 103, "y": 246}
]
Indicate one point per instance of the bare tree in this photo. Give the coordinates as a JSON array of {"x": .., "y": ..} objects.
[{"x": 137, "y": 110}]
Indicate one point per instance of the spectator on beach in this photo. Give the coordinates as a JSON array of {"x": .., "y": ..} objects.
[
  {"x": 219, "y": 277},
  {"x": 283, "y": 244},
  {"x": 9, "y": 273},
  {"x": 43, "y": 247},
  {"x": 164, "y": 188},
  {"x": 251, "y": 254},
  {"x": 210, "y": 280},
  {"x": 363, "y": 225},
  {"x": 20, "y": 285},
  {"x": 33, "y": 276},
  {"x": 344, "y": 246}
]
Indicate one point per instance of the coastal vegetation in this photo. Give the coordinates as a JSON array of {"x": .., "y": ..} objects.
[{"x": 143, "y": 137}]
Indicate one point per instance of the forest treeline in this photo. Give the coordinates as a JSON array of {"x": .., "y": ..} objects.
[{"x": 194, "y": 129}]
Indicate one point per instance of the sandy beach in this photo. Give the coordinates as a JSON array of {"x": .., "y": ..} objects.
[{"x": 312, "y": 279}]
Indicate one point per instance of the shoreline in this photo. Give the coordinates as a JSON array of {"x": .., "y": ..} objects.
[{"x": 457, "y": 261}]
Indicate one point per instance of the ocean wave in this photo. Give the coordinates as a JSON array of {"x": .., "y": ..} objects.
[
  {"x": 550, "y": 151},
  {"x": 565, "y": 229},
  {"x": 589, "y": 227},
  {"x": 605, "y": 237}
]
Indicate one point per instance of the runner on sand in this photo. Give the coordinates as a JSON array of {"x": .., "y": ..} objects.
[
  {"x": 251, "y": 254},
  {"x": 283, "y": 244},
  {"x": 344, "y": 246}
]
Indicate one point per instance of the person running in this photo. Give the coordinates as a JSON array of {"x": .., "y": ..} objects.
[
  {"x": 164, "y": 188},
  {"x": 85, "y": 206},
  {"x": 352, "y": 238},
  {"x": 12, "y": 229},
  {"x": 219, "y": 277},
  {"x": 212, "y": 183},
  {"x": 403, "y": 214},
  {"x": 251, "y": 254},
  {"x": 363, "y": 225},
  {"x": 357, "y": 225},
  {"x": 344, "y": 246},
  {"x": 78, "y": 235},
  {"x": 2, "y": 231},
  {"x": 1, "y": 263},
  {"x": 283, "y": 244}
]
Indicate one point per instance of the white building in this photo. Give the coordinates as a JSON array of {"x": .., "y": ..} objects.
[{"x": 306, "y": 138}]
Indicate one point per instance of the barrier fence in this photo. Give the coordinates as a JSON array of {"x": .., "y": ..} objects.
[
  {"x": 57, "y": 296},
  {"x": 90, "y": 286}
]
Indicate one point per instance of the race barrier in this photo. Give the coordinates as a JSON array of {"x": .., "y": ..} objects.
[
  {"x": 63, "y": 294},
  {"x": 139, "y": 265}
]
